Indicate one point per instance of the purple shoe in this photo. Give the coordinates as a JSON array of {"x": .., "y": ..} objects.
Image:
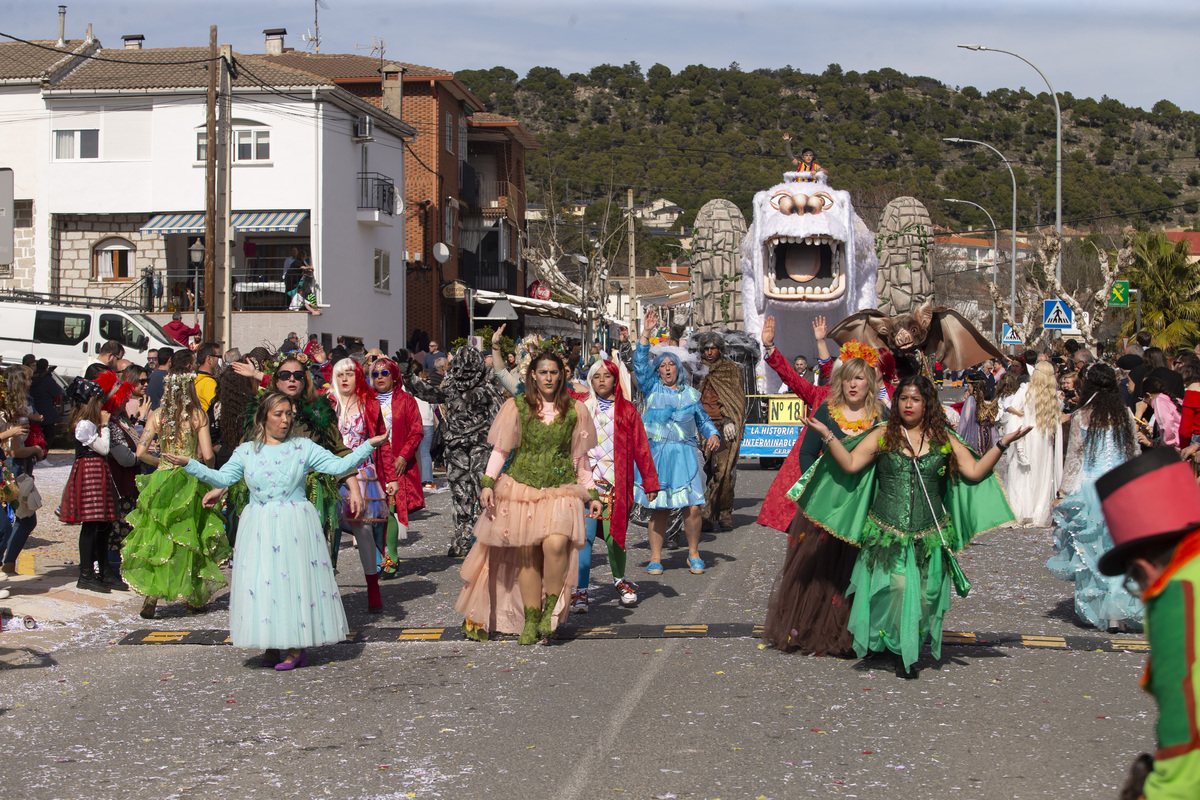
[
  {"x": 270, "y": 658},
  {"x": 291, "y": 663}
]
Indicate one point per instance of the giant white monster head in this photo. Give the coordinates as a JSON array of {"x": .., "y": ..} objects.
[{"x": 807, "y": 253}]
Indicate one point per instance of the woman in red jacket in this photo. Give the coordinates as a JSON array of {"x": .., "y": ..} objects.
[
  {"x": 403, "y": 420},
  {"x": 360, "y": 418},
  {"x": 1189, "y": 420}
]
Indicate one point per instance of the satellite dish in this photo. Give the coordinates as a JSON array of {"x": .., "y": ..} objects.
[{"x": 441, "y": 253}]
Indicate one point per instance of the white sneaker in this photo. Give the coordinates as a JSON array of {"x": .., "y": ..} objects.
[
  {"x": 579, "y": 601},
  {"x": 627, "y": 590}
]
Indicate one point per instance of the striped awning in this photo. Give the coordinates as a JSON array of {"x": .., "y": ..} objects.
[
  {"x": 243, "y": 221},
  {"x": 268, "y": 221},
  {"x": 175, "y": 223}
]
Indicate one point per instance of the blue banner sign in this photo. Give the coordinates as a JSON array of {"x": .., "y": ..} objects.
[{"x": 769, "y": 441}]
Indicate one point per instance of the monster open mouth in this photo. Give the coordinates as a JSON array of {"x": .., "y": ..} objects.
[{"x": 808, "y": 268}]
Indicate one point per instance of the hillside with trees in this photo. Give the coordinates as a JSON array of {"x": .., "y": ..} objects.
[{"x": 708, "y": 132}]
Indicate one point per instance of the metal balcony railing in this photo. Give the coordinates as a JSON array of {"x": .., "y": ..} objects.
[
  {"x": 500, "y": 197},
  {"x": 376, "y": 191}
]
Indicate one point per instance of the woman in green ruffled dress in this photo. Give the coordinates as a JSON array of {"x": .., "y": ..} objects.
[
  {"x": 909, "y": 494},
  {"x": 527, "y": 539},
  {"x": 176, "y": 547}
]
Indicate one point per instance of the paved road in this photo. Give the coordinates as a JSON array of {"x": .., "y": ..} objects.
[{"x": 82, "y": 715}]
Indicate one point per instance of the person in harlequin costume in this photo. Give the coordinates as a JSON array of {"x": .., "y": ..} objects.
[
  {"x": 1160, "y": 553},
  {"x": 621, "y": 444},
  {"x": 908, "y": 494},
  {"x": 673, "y": 417},
  {"x": 472, "y": 399},
  {"x": 529, "y": 534},
  {"x": 403, "y": 420}
]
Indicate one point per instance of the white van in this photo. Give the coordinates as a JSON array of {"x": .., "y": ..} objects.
[{"x": 70, "y": 336}]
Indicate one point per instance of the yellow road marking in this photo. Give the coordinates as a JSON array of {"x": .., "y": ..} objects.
[
  {"x": 685, "y": 629},
  {"x": 165, "y": 636},
  {"x": 1043, "y": 641}
]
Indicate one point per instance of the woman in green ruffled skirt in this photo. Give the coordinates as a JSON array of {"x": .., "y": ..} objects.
[
  {"x": 909, "y": 494},
  {"x": 177, "y": 545}
]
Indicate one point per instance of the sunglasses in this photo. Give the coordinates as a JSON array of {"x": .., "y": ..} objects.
[
  {"x": 290, "y": 375},
  {"x": 383, "y": 373},
  {"x": 144, "y": 380}
]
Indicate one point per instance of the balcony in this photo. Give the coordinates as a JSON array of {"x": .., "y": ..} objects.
[
  {"x": 376, "y": 199},
  {"x": 492, "y": 276},
  {"x": 501, "y": 198}
]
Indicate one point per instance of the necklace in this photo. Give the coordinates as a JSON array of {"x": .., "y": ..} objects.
[{"x": 849, "y": 425}]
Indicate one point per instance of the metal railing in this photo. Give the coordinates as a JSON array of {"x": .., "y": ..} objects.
[
  {"x": 500, "y": 197},
  {"x": 491, "y": 276},
  {"x": 376, "y": 191}
]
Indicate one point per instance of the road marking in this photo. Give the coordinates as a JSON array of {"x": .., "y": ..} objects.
[{"x": 717, "y": 630}]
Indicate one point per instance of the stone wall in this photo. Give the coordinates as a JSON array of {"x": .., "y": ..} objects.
[
  {"x": 76, "y": 234},
  {"x": 19, "y": 274}
]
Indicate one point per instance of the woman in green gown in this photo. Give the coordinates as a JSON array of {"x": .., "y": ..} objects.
[{"x": 908, "y": 494}]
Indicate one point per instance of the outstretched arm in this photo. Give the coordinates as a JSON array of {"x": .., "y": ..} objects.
[
  {"x": 850, "y": 461},
  {"x": 977, "y": 470}
]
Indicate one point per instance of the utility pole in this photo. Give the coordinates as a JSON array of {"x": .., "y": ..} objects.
[
  {"x": 210, "y": 190},
  {"x": 224, "y": 266},
  {"x": 632, "y": 270}
]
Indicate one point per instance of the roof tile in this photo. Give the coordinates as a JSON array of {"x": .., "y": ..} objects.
[{"x": 20, "y": 60}]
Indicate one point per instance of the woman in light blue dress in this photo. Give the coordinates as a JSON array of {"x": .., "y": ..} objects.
[
  {"x": 673, "y": 417},
  {"x": 1102, "y": 438},
  {"x": 284, "y": 593}
]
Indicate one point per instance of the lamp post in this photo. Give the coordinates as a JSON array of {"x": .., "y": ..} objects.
[
  {"x": 1012, "y": 297},
  {"x": 995, "y": 251},
  {"x": 1057, "y": 142},
  {"x": 196, "y": 251},
  {"x": 583, "y": 293}
]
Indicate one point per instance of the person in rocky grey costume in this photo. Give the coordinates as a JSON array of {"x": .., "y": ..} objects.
[{"x": 471, "y": 399}]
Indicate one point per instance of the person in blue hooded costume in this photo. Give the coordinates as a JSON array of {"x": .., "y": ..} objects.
[{"x": 673, "y": 417}]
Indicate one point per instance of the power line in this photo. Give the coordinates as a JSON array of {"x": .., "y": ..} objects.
[{"x": 110, "y": 60}]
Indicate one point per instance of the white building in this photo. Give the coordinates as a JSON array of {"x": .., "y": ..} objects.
[{"x": 109, "y": 166}]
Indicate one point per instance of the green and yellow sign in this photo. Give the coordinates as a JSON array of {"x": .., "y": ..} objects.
[{"x": 1119, "y": 296}]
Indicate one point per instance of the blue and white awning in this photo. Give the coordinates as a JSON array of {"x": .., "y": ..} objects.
[
  {"x": 175, "y": 223},
  {"x": 243, "y": 222},
  {"x": 268, "y": 221}
]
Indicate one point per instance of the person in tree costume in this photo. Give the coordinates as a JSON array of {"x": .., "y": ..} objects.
[
  {"x": 1159, "y": 555},
  {"x": 723, "y": 396},
  {"x": 808, "y": 609},
  {"x": 528, "y": 537},
  {"x": 177, "y": 545},
  {"x": 908, "y": 494},
  {"x": 316, "y": 420},
  {"x": 471, "y": 399}
]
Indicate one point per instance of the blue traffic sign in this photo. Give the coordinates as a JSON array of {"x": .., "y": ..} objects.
[
  {"x": 1057, "y": 315},
  {"x": 1009, "y": 336}
]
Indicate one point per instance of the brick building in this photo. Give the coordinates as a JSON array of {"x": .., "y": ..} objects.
[{"x": 464, "y": 185}]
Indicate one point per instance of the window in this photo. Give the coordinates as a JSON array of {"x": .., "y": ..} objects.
[
  {"x": 73, "y": 145},
  {"x": 449, "y": 132},
  {"x": 112, "y": 260},
  {"x": 120, "y": 329},
  {"x": 383, "y": 270},
  {"x": 248, "y": 144},
  {"x": 57, "y": 327},
  {"x": 451, "y": 220},
  {"x": 252, "y": 145},
  {"x": 462, "y": 138}
]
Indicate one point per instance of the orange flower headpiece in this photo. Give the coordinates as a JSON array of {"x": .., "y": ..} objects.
[{"x": 856, "y": 349}]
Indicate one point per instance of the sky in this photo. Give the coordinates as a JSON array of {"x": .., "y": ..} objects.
[{"x": 1137, "y": 52}]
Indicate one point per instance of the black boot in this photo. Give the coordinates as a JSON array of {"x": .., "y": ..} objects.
[
  {"x": 908, "y": 673},
  {"x": 91, "y": 582}
]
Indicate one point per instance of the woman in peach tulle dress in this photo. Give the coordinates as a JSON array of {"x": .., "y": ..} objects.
[{"x": 528, "y": 537}]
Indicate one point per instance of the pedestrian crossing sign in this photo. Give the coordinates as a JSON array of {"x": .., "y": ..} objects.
[
  {"x": 1009, "y": 336},
  {"x": 1057, "y": 315}
]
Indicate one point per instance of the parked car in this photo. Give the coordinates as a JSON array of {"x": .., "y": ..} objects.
[{"x": 70, "y": 335}]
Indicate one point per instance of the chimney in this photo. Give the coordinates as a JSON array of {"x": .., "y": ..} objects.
[
  {"x": 393, "y": 89},
  {"x": 133, "y": 41},
  {"x": 275, "y": 40},
  {"x": 62, "y": 26}
]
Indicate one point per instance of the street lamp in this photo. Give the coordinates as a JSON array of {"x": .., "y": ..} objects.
[
  {"x": 1057, "y": 142},
  {"x": 995, "y": 251},
  {"x": 583, "y": 313},
  {"x": 1012, "y": 299},
  {"x": 196, "y": 251}
]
